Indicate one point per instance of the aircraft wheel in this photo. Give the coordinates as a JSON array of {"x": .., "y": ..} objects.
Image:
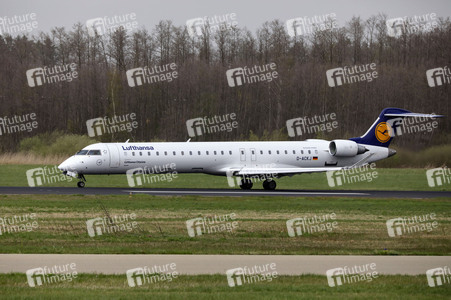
[
  {"x": 246, "y": 184},
  {"x": 269, "y": 184},
  {"x": 81, "y": 184}
]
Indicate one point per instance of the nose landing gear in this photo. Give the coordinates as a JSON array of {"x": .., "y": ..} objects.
[{"x": 81, "y": 183}]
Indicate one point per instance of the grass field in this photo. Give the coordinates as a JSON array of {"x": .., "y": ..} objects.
[
  {"x": 387, "y": 179},
  {"x": 361, "y": 225},
  {"x": 161, "y": 229},
  {"x": 87, "y": 286}
]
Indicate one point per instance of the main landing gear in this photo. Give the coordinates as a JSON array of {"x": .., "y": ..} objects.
[
  {"x": 246, "y": 184},
  {"x": 268, "y": 184},
  {"x": 81, "y": 183}
]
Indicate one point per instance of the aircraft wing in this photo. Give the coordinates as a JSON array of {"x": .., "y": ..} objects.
[
  {"x": 281, "y": 171},
  {"x": 290, "y": 171}
]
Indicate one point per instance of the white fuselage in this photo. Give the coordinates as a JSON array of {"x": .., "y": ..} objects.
[{"x": 216, "y": 158}]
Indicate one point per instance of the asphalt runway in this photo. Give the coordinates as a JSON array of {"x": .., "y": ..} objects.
[
  {"x": 222, "y": 192},
  {"x": 218, "y": 264}
]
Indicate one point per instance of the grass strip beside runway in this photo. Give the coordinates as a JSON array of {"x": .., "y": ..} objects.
[
  {"x": 261, "y": 225},
  {"x": 87, "y": 286}
]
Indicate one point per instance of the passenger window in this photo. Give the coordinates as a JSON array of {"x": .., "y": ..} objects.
[
  {"x": 133, "y": 153},
  {"x": 214, "y": 152},
  {"x": 140, "y": 154},
  {"x": 191, "y": 153},
  {"x": 165, "y": 153},
  {"x": 230, "y": 152},
  {"x": 277, "y": 151},
  {"x": 183, "y": 153},
  {"x": 148, "y": 153},
  {"x": 286, "y": 152},
  {"x": 316, "y": 151},
  {"x": 269, "y": 151},
  {"x": 173, "y": 153},
  {"x": 261, "y": 152},
  {"x": 222, "y": 152},
  {"x": 206, "y": 152},
  {"x": 158, "y": 153},
  {"x": 294, "y": 151},
  {"x": 302, "y": 151},
  {"x": 198, "y": 152},
  {"x": 309, "y": 152}
]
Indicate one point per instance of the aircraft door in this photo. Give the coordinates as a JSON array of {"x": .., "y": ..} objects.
[
  {"x": 242, "y": 154},
  {"x": 114, "y": 156},
  {"x": 253, "y": 154}
]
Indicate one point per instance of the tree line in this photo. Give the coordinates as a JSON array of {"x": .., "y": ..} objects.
[{"x": 201, "y": 88}]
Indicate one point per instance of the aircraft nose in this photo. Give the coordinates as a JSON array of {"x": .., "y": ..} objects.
[
  {"x": 63, "y": 167},
  {"x": 66, "y": 166}
]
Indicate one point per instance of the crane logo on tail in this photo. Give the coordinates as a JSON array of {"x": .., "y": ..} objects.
[{"x": 383, "y": 132}]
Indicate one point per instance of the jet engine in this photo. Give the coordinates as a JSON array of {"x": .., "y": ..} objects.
[{"x": 345, "y": 148}]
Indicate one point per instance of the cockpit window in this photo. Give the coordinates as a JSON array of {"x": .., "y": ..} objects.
[
  {"x": 94, "y": 152},
  {"x": 82, "y": 152}
]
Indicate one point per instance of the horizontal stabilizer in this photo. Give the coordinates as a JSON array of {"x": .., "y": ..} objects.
[{"x": 414, "y": 115}]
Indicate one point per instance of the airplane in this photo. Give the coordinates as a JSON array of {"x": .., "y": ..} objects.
[{"x": 243, "y": 160}]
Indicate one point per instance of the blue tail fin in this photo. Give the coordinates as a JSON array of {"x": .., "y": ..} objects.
[{"x": 383, "y": 130}]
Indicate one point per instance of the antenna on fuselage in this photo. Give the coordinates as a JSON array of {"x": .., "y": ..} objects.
[
  {"x": 127, "y": 141},
  {"x": 188, "y": 140}
]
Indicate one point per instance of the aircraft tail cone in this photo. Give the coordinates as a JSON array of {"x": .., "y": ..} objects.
[{"x": 391, "y": 152}]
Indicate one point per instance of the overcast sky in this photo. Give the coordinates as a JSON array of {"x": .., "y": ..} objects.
[{"x": 250, "y": 14}]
